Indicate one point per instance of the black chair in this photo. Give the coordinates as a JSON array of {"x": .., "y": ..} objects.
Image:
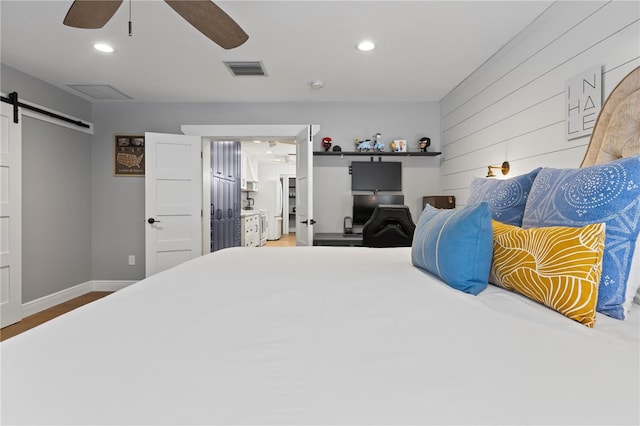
[{"x": 390, "y": 225}]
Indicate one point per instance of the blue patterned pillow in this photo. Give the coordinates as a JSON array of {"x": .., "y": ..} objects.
[
  {"x": 608, "y": 193},
  {"x": 506, "y": 197},
  {"x": 456, "y": 245}
]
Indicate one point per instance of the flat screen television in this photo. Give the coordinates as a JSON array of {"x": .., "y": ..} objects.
[
  {"x": 364, "y": 205},
  {"x": 376, "y": 176}
]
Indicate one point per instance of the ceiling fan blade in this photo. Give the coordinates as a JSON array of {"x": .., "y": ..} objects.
[
  {"x": 211, "y": 21},
  {"x": 91, "y": 14}
]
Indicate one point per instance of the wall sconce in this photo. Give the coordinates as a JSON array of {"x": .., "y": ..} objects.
[{"x": 504, "y": 168}]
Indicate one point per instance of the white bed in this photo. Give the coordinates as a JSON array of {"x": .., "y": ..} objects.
[
  {"x": 329, "y": 335},
  {"x": 373, "y": 340}
]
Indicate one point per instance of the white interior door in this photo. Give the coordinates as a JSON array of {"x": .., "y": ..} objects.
[
  {"x": 304, "y": 187},
  {"x": 173, "y": 200},
  {"x": 10, "y": 217}
]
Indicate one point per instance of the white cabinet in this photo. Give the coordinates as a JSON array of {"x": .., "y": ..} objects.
[
  {"x": 251, "y": 230},
  {"x": 253, "y": 169},
  {"x": 249, "y": 176},
  {"x": 244, "y": 170}
]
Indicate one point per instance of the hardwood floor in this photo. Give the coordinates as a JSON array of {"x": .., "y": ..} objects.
[
  {"x": 288, "y": 240},
  {"x": 48, "y": 314}
]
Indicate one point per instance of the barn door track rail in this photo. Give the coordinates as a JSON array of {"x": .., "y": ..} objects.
[{"x": 13, "y": 100}]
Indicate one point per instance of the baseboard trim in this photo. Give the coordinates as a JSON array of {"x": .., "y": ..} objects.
[
  {"x": 46, "y": 302},
  {"x": 54, "y": 299},
  {"x": 101, "y": 285}
]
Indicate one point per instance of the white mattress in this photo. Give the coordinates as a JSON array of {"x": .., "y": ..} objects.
[{"x": 321, "y": 335}]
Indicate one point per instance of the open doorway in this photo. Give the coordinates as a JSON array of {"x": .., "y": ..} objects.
[
  {"x": 302, "y": 135},
  {"x": 250, "y": 201},
  {"x": 258, "y": 191},
  {"x": 267, "y": 162}
]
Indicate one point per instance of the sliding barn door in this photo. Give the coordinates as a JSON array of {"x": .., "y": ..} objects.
[{"x": 10, "y": 218}]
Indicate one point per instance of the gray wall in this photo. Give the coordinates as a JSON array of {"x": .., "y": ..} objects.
[
  {"x": 118, "y": 202},
  {"x": 56, "y": 208},
  {"x": 513, "y": 107},
  {"x": 56, "y": 191}
]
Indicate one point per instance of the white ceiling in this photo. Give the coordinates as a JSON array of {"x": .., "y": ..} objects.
[
  {"x": 424, "y": 48},
  {"x": 277, "y": 152}
]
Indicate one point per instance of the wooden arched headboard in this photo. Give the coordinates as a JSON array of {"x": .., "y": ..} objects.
[{"x": 617, "y": 130}]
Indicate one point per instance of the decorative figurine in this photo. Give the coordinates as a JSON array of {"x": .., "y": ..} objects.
[
  {"x": 378, "y": 145},
  {"x": 336, "y": 148},
  {"x": 365, "y": 146},
  {"x": 424, "y": 144},
  {"x": 399, "y": 145},
  {"x": 326, "y": 144}
]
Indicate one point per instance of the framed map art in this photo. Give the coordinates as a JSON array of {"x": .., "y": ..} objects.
[{"x": 129, "y": 155}]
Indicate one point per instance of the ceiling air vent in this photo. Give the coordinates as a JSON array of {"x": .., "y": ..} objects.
[
  {"x": 100, "y": 91},
  {"x": 239, "y": 68}
]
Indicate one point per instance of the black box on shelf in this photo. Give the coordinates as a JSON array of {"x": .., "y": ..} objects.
[{"x": 439, "y": 201}]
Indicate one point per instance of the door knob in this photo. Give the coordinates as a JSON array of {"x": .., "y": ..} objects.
[{"x": 152, "y": 220}]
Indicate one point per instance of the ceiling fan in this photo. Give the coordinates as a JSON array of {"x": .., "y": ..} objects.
[{"x": 204, "y": 15}]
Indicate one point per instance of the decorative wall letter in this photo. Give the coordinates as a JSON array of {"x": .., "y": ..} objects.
[{"x": 583, "y": 95}]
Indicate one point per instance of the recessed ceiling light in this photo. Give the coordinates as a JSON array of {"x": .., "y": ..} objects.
[
  {"x": 102, "y": 47},
  {"x": 268, "y": 152},
  {"x": 365, "y": 46}
]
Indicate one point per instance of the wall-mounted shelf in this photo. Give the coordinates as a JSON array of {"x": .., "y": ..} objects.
[{"x": 376, "y": 154}]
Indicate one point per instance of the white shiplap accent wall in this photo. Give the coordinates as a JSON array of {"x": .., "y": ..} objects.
[{"x": 512, "y": 107}]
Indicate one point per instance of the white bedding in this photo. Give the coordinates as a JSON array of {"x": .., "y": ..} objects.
[{"x": 320, "y": 335}]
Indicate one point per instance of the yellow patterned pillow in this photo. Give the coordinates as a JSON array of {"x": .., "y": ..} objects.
[{"x": 556, "y": 266}]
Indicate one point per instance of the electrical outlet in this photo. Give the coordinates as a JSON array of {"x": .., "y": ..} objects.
[{"x": 132, "y": 259}]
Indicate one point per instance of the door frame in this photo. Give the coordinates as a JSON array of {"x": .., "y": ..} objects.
[
  {"x": 284, "y": 182},
  {"x": 238, "y": 132},
  {"x": 304, "y": 187}
]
